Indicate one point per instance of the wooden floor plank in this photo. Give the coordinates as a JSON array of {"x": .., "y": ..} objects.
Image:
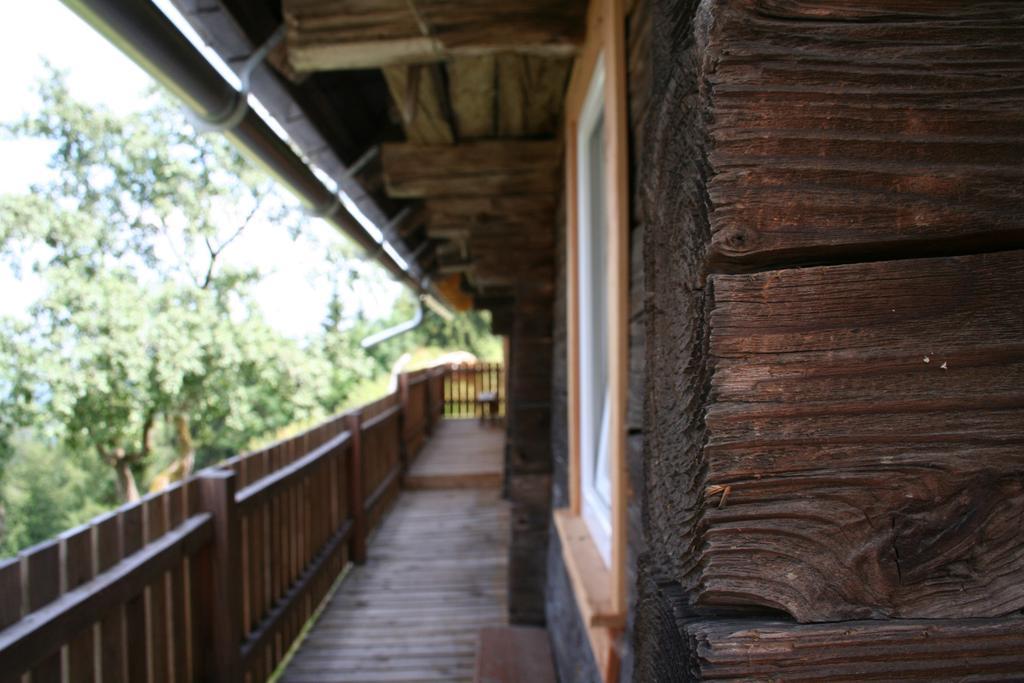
[
  {"x": 434, "y": 576},
  {"x": 461, "y": 454}
]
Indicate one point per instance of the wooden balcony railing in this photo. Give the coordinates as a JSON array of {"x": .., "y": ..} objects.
[
  {"x": 464, "y": 384},
  {"x": 213, "y": 578}
]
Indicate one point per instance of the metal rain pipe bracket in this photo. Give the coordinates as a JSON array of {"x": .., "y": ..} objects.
[{"x": 240, "y": 106}]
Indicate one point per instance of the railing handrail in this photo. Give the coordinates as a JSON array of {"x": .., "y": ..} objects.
[
  {"x": 383, "y": 417},
  {"x": 265, "y": 486},
  {"x": 228, "y": 521},
  {"x": 29, "y": 641}
]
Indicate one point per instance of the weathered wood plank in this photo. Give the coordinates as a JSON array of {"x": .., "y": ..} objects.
[
  {"x": 864, "y": 128},
  {"x": 514, "y": 654},
  {"x": 471, "y": 169},
  {"x": 433, "y": 577},
  {"x": 422, "y": 102},
  {"x": 527, "y": 214},
  {"x": 676, "y": 645},
  {"x": 328, "y": 35},
  {"x": 472, "y": 93},
  {"x": 862, "y": 456},
  {"x": 531, "y": 91},
  {"x": 460, "y": 454}
]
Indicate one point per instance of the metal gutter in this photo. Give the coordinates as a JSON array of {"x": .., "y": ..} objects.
[
  {"x": 217, "y": 28},
  {"x": 145, "y": 34}
]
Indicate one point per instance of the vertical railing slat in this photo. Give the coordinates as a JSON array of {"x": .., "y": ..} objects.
[
  {"x": 156, "y": 526},
  {"x": 77, "y": 565},
  {"x": 355, "y": 488},
  {"x": 41, "y": 567},
  {"x": 167, "y": 631},
  {"x": 174, "y": 502},
  {"x": 109, "y": 552},
  {"x": 10, "y": 606},
  {"x": 136, "y": 640}
]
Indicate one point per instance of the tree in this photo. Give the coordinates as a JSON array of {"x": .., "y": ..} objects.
[
  {"x": 47, "y": 491},
  {"x": 147, "y": 348},
  {"x": 141, "y": 321}
]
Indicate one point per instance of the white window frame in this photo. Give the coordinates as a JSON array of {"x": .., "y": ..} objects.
[{"x": 595, "y": 470}]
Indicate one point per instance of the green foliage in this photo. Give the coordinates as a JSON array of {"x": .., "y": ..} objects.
[
  {"x": 140, "y": 322},
  {"x": 47, "y": 490},
  {"x": 145, "y": 350}
]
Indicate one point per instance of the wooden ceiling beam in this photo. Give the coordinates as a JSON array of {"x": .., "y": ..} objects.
[
  {"x": 472, "y": 92},
  {"x": 421, "y": 98},
  {"x": 492, "y": 210},
  {"x": 327, "y": 35},
  {"x": 496, "y": 167},
  {"x": 531, "y": 91}
]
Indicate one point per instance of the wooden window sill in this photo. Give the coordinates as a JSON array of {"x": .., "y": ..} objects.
[
  {"x": 591, "y": 579},
  {"x": 592, "y": 587}
]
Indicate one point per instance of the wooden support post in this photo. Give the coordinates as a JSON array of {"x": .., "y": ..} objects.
[
  {"x": 356, "y": 494},
  {"x": 428, "y": 403},
  {"x": 222, "y": 578},
  {"x": 403, "y": 422},
  {"x": 449, "y": 394}
]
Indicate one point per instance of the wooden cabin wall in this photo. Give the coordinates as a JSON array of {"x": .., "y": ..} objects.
[
  {"x": 834, "y": 421},
  {"x": 528, "y": 447},
  {"x": 571, "y": 646}
]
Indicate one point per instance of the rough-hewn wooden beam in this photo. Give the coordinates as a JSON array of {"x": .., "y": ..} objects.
[
  {"x": 861, "y": 453},
  {"x": 802, "y": 453},
  {"x": 352, "y": 34},
  {"x": 676, "y": 646},
  {"x": 497, "y": 216},
  {"x": 531, "y": 90},
  {"x": 421, "y": 100},
  {"x": 472, "y": 92},
  {"x": 471, "y": 169},
  {"x": 887, "y": 127}
]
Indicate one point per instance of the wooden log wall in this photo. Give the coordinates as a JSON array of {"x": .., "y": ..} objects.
[
  {"x": 528, "y": 449},
  {"x": 840, "y": 442},
  {"x": 212, "y": 579}
]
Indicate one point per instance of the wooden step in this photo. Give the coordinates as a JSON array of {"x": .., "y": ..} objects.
[
  {"x": 514, "y": 654},
  {"x": 462, "y": 454}
]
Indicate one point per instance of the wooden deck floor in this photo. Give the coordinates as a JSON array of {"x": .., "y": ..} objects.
[
  {"x": 461, "y": 454},
  {"x": 435, "y": 574}
]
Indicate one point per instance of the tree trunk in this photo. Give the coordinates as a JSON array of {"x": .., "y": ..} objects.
[
  {"x": 126, "y": 479},
  {"x": 186, "y": 449}
]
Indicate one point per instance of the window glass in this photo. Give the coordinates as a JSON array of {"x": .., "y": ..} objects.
[{"x": 592, "y": 214}]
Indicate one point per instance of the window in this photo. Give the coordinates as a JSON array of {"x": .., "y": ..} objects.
[
  {"x": 592, "y": 529},
  {"x": 592, "y": 255}
]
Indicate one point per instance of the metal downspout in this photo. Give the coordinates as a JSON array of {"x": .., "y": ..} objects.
[{"x": 401, "y": 328}]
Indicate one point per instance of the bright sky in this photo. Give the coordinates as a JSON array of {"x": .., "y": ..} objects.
[{"x": 293, "y": 296}]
